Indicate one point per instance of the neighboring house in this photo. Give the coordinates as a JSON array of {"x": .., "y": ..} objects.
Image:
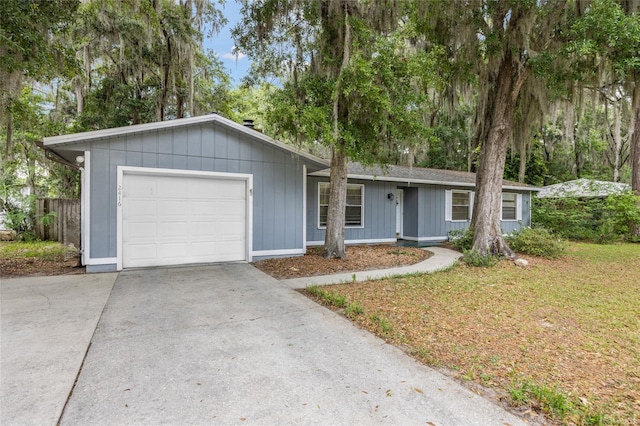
[
  {"x": 206, "y": 189},
  {"x": 583, "y": 188}
]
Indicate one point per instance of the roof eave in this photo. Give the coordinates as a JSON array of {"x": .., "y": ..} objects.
[{"x": 325, "y": 173}]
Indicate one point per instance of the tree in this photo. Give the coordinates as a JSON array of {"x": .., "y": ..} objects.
[
  {"x": 609, "y": 35},
  {"x": 143, "y": 61},
  {"x": 518, "y": 50},
  {"x": 347, "y": 83},
  {"x": 505, "y": 43},
  {"x": 29, "y": 49}
]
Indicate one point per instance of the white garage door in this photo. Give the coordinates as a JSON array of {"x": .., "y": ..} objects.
[{"x": 173, "y": 220}]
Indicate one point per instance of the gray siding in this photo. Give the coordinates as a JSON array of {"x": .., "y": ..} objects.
[
  {"x": 379, "y": 211},
  {"x": 277, "y": 179},
  {"x": 432, "y": 213},
  {"x": 424, "y": 212}
]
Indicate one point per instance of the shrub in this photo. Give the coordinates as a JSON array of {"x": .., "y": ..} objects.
[
  {"x": 624, "y": 213},
  {"x": 462, "y": 239},
  {"x": 537, "y": 242},
  {"x": 595, "y": 219},
  {"x": 474, "y": 258}
]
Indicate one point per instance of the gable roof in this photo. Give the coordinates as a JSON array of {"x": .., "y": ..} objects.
[
  {"x": 67, "y": 141},
  {"x": 404, "y": 174},
  {"x": 583, "y": 188}
]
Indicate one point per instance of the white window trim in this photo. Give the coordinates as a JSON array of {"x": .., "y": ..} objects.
[
  {"x": 361, "y": 206},
  {"x": 518, "y": 207},
  {"x": 448, "y": 205}
]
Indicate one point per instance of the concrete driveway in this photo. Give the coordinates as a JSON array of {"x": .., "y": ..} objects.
[
  {"x": 227, "y": 344},
  {"x": 46, "y": 324}
]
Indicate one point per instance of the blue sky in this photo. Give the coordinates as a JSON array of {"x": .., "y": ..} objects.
[{"x": 223, "y": 44}]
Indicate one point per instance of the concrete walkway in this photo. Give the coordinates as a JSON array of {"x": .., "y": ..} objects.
[
  {"x": 442, "y": 259},
  {"x": 46, "y": 326}
]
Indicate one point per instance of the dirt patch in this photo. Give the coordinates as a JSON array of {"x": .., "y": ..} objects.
[
  {"x": 359, "y": 258},
  {"x": 34, "y": 267}
]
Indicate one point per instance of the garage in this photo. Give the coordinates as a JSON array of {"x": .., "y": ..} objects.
[{"x": 169, "y": 217}]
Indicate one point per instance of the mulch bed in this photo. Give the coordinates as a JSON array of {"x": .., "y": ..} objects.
[
  {"x": 359, "y": 258},
  {"x": 33, "y": 267}
]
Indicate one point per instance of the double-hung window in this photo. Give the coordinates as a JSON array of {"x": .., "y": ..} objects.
[
  {"x": 353, "y": 211},
  {"x": 511, "y": 206},
  {"x": 458, "y": 205}
]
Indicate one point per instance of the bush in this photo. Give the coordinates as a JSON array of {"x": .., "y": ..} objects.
[
  {"x": 537, "y": 242},
  {"x": 624, "y": 214},
  {"x": 462, "y": 239},
  {"x": 594, "y": 219},
  {"x": 474, "y": 258}
]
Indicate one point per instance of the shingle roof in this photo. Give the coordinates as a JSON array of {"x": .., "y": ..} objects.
[
  {"x": 420, "y": 175},
  {"x": 583, "y": 188}
]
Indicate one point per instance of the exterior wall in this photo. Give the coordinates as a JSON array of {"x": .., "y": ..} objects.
[
  {"x": 277, "y": 183},
  {"x": 432, "y": 213},
  {"x": 379, "y": 213},
  {"x": 424, "y": 213}
]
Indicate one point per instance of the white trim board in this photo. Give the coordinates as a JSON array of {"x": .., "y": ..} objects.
[
  {"x": 304, "y": 206},
  {"x": 420, "y": 239},
  {"x": 373, "y": 241},
  {"x": 85, "y": 208},
  {"x": 282, "y": 252},
  {"x": 122, "y": 170},
  {"x": 102, "y": 261}
]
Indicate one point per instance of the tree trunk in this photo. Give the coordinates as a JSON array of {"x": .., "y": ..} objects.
[
  {"x": 617, "y": 141},
  {"x": 8, "y": 149},
  {"x": 499, "y": 116},
  {"x": 334, "y": 235},
  {"x": 635, "y": 148},
  {"x": 635, "y": 140}
]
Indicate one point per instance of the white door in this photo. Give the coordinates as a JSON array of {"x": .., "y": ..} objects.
[
  {"x": 399, "y": 212},
  {"x": 172, "y": 220}
]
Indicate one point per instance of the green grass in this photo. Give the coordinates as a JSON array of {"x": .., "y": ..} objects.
[
  {"x": 46, "y": 250},
  {"x": 565, "y": 331}
]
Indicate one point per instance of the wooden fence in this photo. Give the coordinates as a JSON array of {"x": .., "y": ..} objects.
[{"x": 63, "y": 226}]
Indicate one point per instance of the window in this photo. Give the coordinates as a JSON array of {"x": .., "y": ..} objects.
[
  {"x": 353, "y": 211},
  {"x": 511, "y": 203},
  {"x": 458, "y": 205}
]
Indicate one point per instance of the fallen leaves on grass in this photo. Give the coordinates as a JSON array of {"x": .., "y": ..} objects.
[
  {"x": 570, "y": 324},
  {"x": 359, "y": 258}
]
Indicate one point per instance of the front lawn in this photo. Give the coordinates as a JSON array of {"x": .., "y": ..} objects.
[{"x": 560, "y": 337}]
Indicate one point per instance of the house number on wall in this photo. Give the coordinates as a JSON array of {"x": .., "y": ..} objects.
[{"x": 119, "y": 195}]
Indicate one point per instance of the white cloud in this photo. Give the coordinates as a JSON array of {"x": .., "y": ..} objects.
[{"x": 235, "y": 54}]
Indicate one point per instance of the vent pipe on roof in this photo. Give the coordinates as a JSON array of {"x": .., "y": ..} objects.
[{"x": 248, "y": 123}]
